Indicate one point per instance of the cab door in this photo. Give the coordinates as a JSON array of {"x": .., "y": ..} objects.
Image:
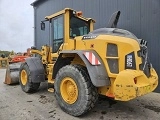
[{"x": 57, "y": 32}]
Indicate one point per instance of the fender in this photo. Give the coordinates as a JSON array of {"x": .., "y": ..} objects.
[
  {"x": 97, "y": 73},
  {"x": 36, "y": 69}
]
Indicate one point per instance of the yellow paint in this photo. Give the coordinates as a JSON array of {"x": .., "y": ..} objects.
[
  {"x": 69, "y": 44},
  {"x": 125, "y": 46},
  {"x": 122, "y": 85},
  {"x": 107, "y": 90},
  {"x": 125, "y": 89},
  {"x": 50, "y": 73},
  {"x": 56, "y": 14},
  {"x": 66, "y": 11},
  {"x": 45, "y": 54},
  {"x": 103, "y": 90},
  {"x": 69, "y": 90},
  {"x": 24, "y": 77},
  {"x": 110, "y": 92},
  {"x": 36, "y": 52}
]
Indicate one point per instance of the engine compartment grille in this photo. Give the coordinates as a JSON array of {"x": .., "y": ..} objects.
[{"x": 112, "y": 58}]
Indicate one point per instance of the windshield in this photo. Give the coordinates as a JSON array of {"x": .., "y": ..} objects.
[{"x": 78, "y": 27}]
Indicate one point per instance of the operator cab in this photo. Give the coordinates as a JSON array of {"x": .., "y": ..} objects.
[
  {"x": 65, "y": 26},
  {"x": 78, "y": 26}
]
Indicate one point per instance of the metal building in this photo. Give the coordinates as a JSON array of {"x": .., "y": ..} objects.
[{"x": 141, "y": 17}]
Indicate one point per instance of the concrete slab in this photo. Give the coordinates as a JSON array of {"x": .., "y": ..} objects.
[{"x": 17, "y": 105}]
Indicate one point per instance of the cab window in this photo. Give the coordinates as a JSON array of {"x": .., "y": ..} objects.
[
  {"x": 78, "y": 27},
  {"x": 57, "y": 31}
]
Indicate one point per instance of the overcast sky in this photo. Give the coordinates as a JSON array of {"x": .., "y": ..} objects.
[{"x": 16, "y": 25}]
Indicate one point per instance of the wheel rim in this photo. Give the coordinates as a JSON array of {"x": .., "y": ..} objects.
[
  {"x": 69, "y": 90},
  {"x": 23, "y": 77}
]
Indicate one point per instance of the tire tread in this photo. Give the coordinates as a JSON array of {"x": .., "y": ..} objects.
[
  {"x": 30, "y": 87},
  {"x": 91, "y": 96}
]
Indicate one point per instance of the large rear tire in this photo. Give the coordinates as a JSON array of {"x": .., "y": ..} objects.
[
  {"x": 25, "y": 79},
  {"x": 74, "y": 90}
]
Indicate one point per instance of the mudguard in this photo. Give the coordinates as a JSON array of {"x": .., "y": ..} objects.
[
  {"x": 36, "y": 69},
  {"x": 97, "y": 73}
]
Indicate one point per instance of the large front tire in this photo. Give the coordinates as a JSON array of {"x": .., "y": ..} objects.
[
  {"x": 74, "y": 91},
  {"x": 25, "y": 80}
]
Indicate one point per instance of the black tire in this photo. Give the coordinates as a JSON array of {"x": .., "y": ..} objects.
[
  {"x": 29, "y": 87},
  {"x": 87, "y": 93}
]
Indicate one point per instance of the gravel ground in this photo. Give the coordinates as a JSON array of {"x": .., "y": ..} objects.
[{"x": 17, "y": 105}]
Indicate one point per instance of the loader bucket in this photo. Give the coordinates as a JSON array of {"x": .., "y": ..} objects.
[{"x": 12, "y": 73}]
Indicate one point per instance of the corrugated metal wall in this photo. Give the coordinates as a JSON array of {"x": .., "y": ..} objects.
[{"x": 141, "y": 17}]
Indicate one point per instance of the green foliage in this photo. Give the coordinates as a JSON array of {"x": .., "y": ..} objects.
[{"x": 6, "y": 53}]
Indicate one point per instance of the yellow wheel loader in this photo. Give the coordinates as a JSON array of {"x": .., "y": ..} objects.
[{"x": 81, "y": 63}]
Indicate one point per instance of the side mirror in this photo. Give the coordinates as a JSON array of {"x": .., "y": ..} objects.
[{"x": 42, "y": 26}]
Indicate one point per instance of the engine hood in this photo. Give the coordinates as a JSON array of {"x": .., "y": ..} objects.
[{"x": 109, "y": 31}]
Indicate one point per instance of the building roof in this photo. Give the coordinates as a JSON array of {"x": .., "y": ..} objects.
[{"x": 36, "y": 1}]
